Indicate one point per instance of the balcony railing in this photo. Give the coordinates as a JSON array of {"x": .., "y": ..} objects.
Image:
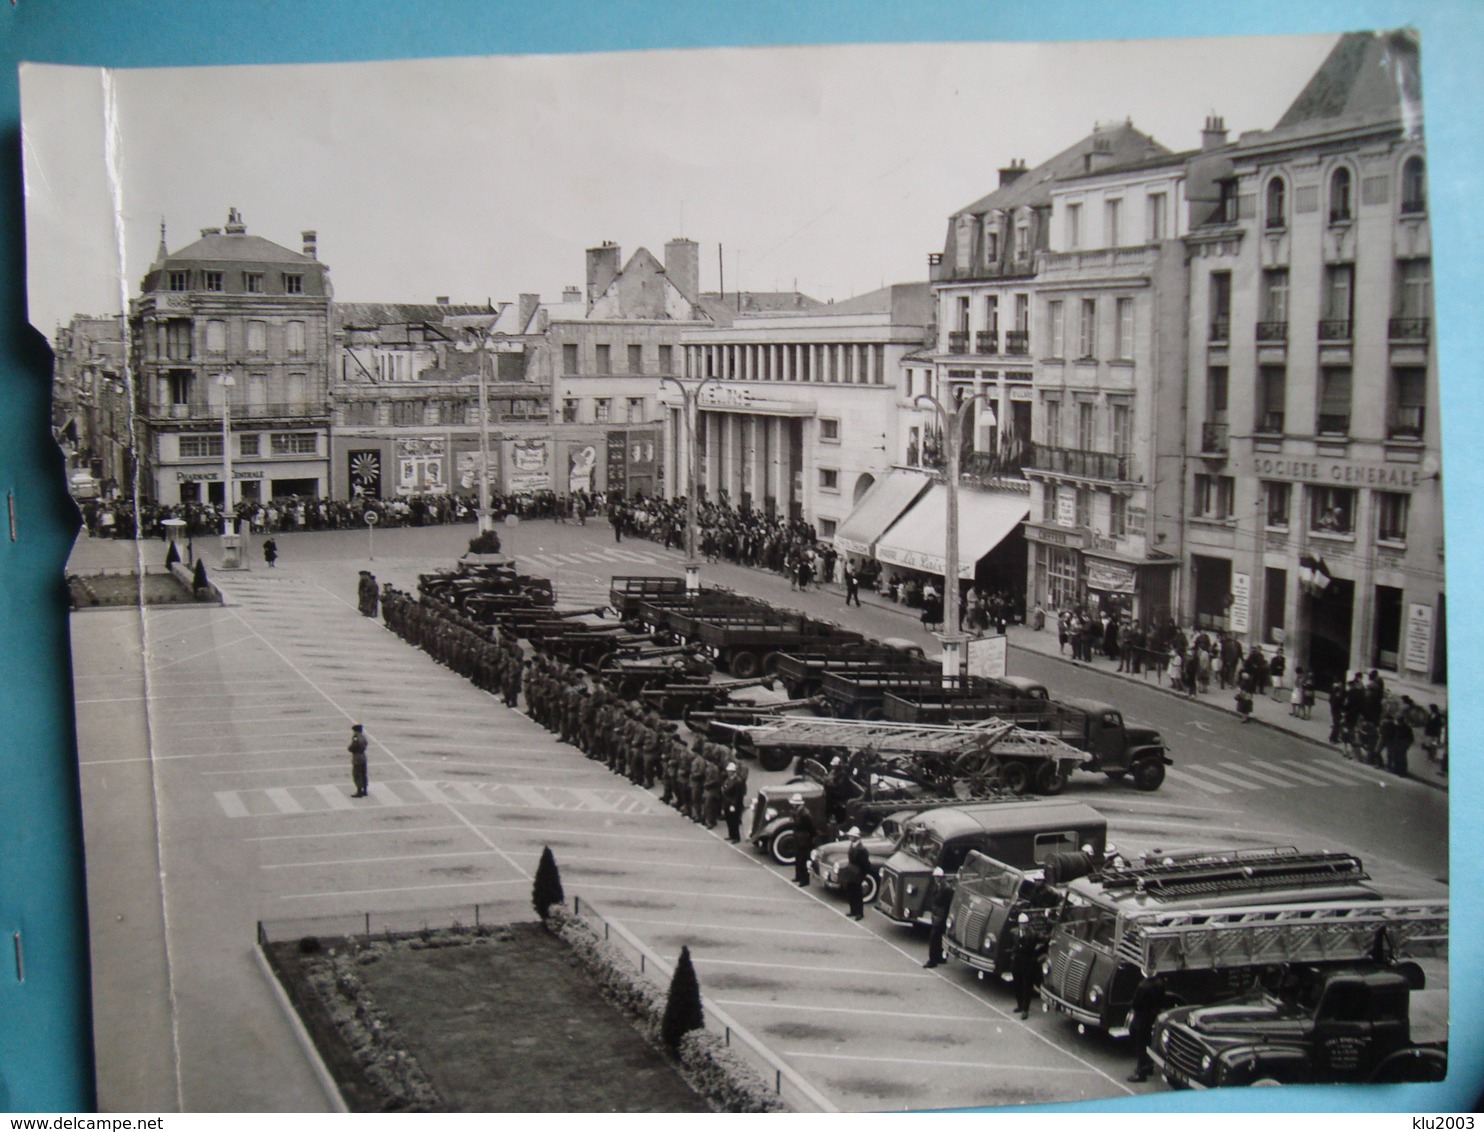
[
  {"x": 987, "y": 342},
  {"x": 1334, "y": 329},
  {"x": 1017, "y": 341},
  {"x": 1221, "y": 329},
  {"x": 989, "y": 469},
  {"x": 1333, "y": 424},
  {"x": 203, "y": 412},
  {"x": 1213, "y": 436},
  {"x": 1076, "y": 462},
  {"x": 1408, "y": 329},
  {"x": 958, "y": 341},
  {"x": 1272, "y": 332}
]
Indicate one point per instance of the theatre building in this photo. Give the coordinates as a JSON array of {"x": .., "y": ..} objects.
[
  {"x": 797, "y": 412},
  {"x": 1316, "y": 499},
  {"x": 232, "y": 333}
]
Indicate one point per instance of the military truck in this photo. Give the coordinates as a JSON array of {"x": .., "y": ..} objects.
[
  {"x": 1342, "y": 996},
  {"x": 1094, "y": 960},
  {"x": 1022, "y": 834},
  {"x": 747, "y": 644},
  {"x": 802, "y": 672}
]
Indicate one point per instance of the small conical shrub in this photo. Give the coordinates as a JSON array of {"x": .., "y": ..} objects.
[
  {"x": 682, "y": 1005},
  {"x": 198, "y": 580},
  {"x": 172, "y": 556},
  {"x": 548, "y": 887}
]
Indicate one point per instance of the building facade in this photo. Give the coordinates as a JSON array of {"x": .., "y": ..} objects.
[
  {"x": 800, "y": 411},
  {"x": 233, "y": 327},
  {"x": 90, "y": 401},
  {"x": 1316, "y": 518}
]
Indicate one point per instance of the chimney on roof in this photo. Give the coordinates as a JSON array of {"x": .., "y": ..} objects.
[
  {"x": 529, "y": 304},
  {"x": 602, "y": 269},
  {"x": 683, "y": 266},
  {"x": 1214, "y": 134},
  {"x": 440, "y": 301},
  {"x": 571, "y": 294},
  {"x": 211, "y": 232},
  {"x": 235, "y": 227},
  {"x": 311, "y": 244},
  {"x": 1100, "y": 156},
  {"x": 1012, "y": 172}
]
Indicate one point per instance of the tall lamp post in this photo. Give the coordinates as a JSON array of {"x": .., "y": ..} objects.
[
  {"x": 481, "y": 340},
  {"x": 231, "y": 542},
  {"x": 690, "y": 394},
  {"x": 951, "y": 423}
]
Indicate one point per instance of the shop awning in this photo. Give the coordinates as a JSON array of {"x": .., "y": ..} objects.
[
  {"x": 879, "y": 509},
  {"x": 985, "y": 519}
]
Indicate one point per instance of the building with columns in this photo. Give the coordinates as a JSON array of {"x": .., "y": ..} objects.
[
  {"x": 800, "y": 410},
  {"x": 1315, "y": 517},
  {"x": 233, "y": 325}
]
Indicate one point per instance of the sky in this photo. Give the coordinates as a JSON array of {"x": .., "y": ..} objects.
[{"x": 829, "y": 169}]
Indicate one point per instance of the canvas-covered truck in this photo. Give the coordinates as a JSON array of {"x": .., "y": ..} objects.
[
  {"x": 1343, "y": 997},
  {"x": 1022, "y": 834},
  {"x": 1093, "y": 963}
]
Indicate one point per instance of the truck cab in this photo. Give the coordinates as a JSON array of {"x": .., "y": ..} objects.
[
  {"x": 988, "y": 899},
  {"x": 1117, "y": 747},
  {"x": 1315, "y": 1025},
  {"x": 1020, "y": 834}
]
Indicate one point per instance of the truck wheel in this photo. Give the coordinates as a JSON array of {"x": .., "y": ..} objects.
[
  {"x": 781, "y": 848},
  {"x": 770, "y": 663},
  {"x": 1148, "y": 774},
  {"x": 1175, "y": 1083},
  {"x": 1414, "y": 1063},
  {"x": 1015, "y": 775},
  {"x": 870, "y": 887},
  {"x": 774, "y": 758},
  {"x": 743, "y": 665},
  {"x": 1265, "y": 1082},
  {"x": 1050, "y": 779}
]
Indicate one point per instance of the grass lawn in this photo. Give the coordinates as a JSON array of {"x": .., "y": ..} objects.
[
  {"x": 512, "y": 1024},
  {"x": 123, "y": 589}
]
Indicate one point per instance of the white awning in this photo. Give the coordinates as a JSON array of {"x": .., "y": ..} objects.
[
  {"x": 985, "y": 519},
  {"x": 878, "y": 509}
]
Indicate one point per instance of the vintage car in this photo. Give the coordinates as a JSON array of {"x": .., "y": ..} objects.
[{"x": 826, "y": 862}]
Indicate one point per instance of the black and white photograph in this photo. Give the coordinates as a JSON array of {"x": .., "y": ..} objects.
[{"x": 841, "y": 578}]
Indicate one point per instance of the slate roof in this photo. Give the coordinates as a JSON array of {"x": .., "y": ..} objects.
[
  {"x": 365, "y": 315},
  {"x": 1367, "y": 75},
  {"x": 222, "y": 247}
]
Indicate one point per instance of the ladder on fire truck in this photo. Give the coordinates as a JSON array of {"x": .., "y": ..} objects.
[
  {"x": 1231, "y": 872},
  {"x": 988, "y": 736},
  {"x": 1382, "y": 930}
]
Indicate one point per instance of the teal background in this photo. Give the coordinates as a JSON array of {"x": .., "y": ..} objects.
[{"x": 45, "y": 1055}]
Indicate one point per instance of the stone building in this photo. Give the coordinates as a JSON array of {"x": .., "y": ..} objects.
[
  {"x": 1315, "y": 514},
  {"x": 90, "y": 403},
  {"x": 233, "y": 316}
]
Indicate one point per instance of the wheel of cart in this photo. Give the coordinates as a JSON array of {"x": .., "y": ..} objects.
[
  {"x": 1015, "y": 775},
  {"x": 1049, "y": 778}
]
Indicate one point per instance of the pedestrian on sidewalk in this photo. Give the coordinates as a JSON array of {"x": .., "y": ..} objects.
[
  {"x": 270, "y": 551},
  {"x": 1276, "y": 668},
  {"x": 1246, "y": 685},
  {"x": 357, "y": 751},
  {"x": 1432, "y": 738}
]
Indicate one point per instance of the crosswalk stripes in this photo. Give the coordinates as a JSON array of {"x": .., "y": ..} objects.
[
  {"x": 1323, "y": 771},
  {"x": 1221, "y": 777},
  {"x": 335, "y": 797},
  {"x": 1306, "y": 779},
  {"x": 1271, "y": 780},
  {"x": 1193, "y": 780},
  {"x": 1360, "y": 771},
  {"x": 384, "y": 794}
]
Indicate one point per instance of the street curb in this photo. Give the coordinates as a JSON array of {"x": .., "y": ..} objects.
[
  {"x": 306, "y": 1043},
  {"x": 1159, "y": 687}
]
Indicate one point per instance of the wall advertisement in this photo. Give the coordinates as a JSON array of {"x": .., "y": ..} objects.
[{"x": 530, "y": 465}]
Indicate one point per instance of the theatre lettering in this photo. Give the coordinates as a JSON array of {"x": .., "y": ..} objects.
[{"x": 1339, "y": 472}]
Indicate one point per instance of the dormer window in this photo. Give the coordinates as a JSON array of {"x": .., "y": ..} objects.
[
  {"x": 213, "y": 280},
  {"x": 1277, "y": 203},
  {"x": 179, "y": 281},
  {"x": 293, "y": 284},
  {"x": 252, "y": 282}
]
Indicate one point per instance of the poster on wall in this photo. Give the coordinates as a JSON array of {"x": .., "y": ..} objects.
[
  {"x": 987, "y": 656},
  {"x": 530, "y": 465},
  {"x": 618, "y": 480},
  {"x": 582, "y": 463},
  {"x": 421, "y": 466},
  {"x": 1066, "y": 507},
  {"x": 467, "y": 470},
  {"x": 364, "y": 466},
  {"x": 1417, "y": 653},
  {"x": 1241, "y": 602}
]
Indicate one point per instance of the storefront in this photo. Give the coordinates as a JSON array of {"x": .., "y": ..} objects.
[
  {"x": 1076, "y": 568},
  {"x": 991, "y": 543}
]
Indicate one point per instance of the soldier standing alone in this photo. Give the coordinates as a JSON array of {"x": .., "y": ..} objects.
[{"x": 357, "y": 751}]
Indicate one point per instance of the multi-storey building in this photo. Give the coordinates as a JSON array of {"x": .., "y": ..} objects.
[
  {"x": 90, "y": 403},
  {"x": 1315, "y": 499},
  {"x": 406, "y": 395},
  {"x": 799, "y": 413},
  {"x": 238, "y": 317}
]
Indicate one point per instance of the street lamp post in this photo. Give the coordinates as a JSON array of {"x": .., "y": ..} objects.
[
  {"x": 690, "y": 395},
  {"x": 483, "y": 512},
  {"x": 231, "y": 541},
  {"x": 951, "y": 423}
]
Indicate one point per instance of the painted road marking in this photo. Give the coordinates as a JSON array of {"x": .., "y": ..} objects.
[
  {"x": 231, "y": 804},
  {"x": 1322, "y": 772},
  {"x": 933, "y": 1061},
  {"x": 758, "y": 1004},
  {"x": 1307, "y": 780},
  {"x": 1199, "y": 783},
  {"x": 1221, "y": 777},
  {"x": 1370, "y": 775},
  {"x": 1271, "y": 780},
  {"x": 337, "y": 798},
  {"x": 384, "y": 794}
]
